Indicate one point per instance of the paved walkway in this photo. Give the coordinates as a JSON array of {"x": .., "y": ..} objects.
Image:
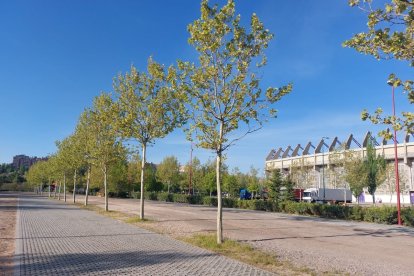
[{"x": 58, "y": 239}]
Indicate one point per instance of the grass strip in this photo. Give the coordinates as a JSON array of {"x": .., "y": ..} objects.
[{"x": 248, "y": 254}]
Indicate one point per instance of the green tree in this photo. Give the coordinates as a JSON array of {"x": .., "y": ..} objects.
[
  {"x": 390, "y": 35},
  {"x": 225, "y": 95},
  {"x": 134, "y": 171},
  {"x": 289, "y": 185},
  {"x": 355, "y": 173},
  {"x": 274, "y": 185},
  {"x": 37, "y": 175},
  {"x": 65, "y": 167},
  {"x": 84, "y": 136},
  {"x": 253, "y": 184},
  {"x": 150, "y": 107},
  {"x": 209, "y": 182},
  {"x": 106, "y": 149},
  {"x": 375, "y": 166},
  {"x": 117, "y": 177},
  {"x": 168, "y": 172},
  {"x": 231, "y": 185},
  {"x": 70, "y": 151}
]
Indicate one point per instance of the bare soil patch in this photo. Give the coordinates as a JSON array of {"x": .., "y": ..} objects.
[{"x": 8, "y": 208}]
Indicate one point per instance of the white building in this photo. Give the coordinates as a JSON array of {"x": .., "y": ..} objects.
[{"x": 320, "y": 164}]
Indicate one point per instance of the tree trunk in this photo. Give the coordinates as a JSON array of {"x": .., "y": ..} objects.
[
  {"x": 144, "y": 148},
  {"x": 64, "y": 186},
  {"x": 373, "y": 198},
  {"x": 87, "y": 186},
  {"x": 49, "y": 189},
  {"x": 60, "y": 189},
  {"x": 106, "y": 188},
  {"x": 219, "y": 205},
  {"x": 74, "y": 187},
  {"x": 54, "y": 195}
]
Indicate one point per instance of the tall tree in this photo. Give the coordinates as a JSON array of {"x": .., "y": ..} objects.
[
  {"x": 168, "y": 171},
  {"x": 253, "y": 185},
  {"x": 390, "y": 35},
  {"x": 226, "y": 98},
  {"x": 71, "y": 154},
  {"x": 150, "y": 107},
  {"x": 65, "y": 161},
  {"x": 37, "y": 175},
  {"x": 107, "y": 148},
  {"x": 375, "y": 166},
  {"x": 84, "y": 136},
  {"x": 355, "y": 173},
  {"x": 274, "y": 184}
]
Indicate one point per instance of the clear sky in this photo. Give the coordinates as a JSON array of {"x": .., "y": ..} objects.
[{"x": 55, "y": 56}]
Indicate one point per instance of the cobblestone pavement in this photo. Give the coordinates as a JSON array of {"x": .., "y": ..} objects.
[
  {"x": 58, "y": 239},
  {"x": 347, "y": 247}
]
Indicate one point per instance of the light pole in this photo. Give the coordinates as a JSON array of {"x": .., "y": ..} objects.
[
  {"x": 397, "y": 178},
  {"x": 323, "y": 168}
]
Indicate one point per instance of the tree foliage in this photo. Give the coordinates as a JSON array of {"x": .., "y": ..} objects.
[
  {"x": 274, "y": 185},
  {"x": 168, "y": 172},
  {"x": 149, "y": 107},
  {"x": 375, "y": 166},
  {"x": 355, "y": 173},
  {"x": 390, "y": 35},
  {"x": 225, "y": 96}
]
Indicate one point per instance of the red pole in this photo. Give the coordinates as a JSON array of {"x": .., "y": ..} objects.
[{"x": 397, "y": 178}]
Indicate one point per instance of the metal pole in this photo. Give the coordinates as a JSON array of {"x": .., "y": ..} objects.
[
  {"x": 323, "y": 172},
  {"x": 397, "y": 178},
  {"x": 323, "y": 169}
]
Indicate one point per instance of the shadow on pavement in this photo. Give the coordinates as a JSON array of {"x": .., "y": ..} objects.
[{"x": 113, "y": 262}]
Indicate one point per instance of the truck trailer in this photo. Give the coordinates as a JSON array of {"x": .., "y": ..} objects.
[{"x": 327, "y": 195}]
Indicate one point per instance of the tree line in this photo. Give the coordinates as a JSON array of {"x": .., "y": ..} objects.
[{"x": 217, "y": 101}]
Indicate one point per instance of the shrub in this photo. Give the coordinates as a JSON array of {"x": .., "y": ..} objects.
[
  {"x": 210, "y": 201},
  {"x": 384, "y": 214},
  {"x": 167, "y": 197},
  {"x": 407, "y": 216},
  {"x": 357, "y": 213},
  {"x": 136, "y": 195},
  {"x": 181, "y": 198},
  {"x": 196, "y": 199}
]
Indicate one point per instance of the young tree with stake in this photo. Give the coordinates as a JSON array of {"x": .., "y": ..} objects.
[
  {"x": 226, "y": 99},
  {"x": 149, "y": 107}
]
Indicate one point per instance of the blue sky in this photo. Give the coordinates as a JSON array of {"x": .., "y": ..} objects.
[{"x": 55, "y": 56}]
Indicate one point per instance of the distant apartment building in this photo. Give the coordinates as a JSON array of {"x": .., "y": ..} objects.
[{"x": 25, "y": 161}]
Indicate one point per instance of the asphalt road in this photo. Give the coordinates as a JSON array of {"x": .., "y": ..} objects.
[{"x": 324, "y": 245}]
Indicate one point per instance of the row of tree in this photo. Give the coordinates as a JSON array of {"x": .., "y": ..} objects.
[{"x": 217, "y": 100}]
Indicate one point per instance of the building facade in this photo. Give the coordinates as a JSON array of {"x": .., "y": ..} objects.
[
  {"x": 24, "y": 161},
  {"x": 320, "y": 165}
]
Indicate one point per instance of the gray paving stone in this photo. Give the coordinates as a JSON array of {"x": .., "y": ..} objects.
[{"x": 58, "y": 239}]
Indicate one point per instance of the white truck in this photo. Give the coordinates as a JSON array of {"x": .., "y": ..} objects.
[{"x": 327, "y": 195}]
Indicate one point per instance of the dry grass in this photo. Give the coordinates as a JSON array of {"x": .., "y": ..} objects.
[
  {"x": 246, "y": 254},
  {"x": 7, "y": 233}
]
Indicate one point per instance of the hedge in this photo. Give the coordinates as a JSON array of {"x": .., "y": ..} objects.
[{"x": 383, "y": 214}]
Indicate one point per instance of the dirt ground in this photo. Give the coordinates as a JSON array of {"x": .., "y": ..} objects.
[{"x": 8, "y": 206}]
